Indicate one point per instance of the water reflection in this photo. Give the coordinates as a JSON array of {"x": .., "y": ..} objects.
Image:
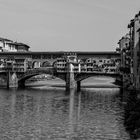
[
  {"x": 132, "y": 114},
  {"x": 54, "y": 115}
]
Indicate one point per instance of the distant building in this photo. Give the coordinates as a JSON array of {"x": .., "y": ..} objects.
[
  {"x": 125, "y": 63},
  {"x": 123, "y": 47},
  {"x": 4, "y": 46},
  {"x": 19, "y": 47},
  {"x": 8, "y": 45},
  {"x": 15, "y": 64}
]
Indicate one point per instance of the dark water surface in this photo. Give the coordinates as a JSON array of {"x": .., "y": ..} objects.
[{"x": 33, "y": 114}]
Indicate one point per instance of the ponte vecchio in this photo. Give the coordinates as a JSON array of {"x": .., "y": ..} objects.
[{"x": 72, "y": 67}]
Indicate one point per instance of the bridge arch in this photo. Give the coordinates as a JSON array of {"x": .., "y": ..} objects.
[
  {"x": 83, "y": 76},
  {"x": 34, "y": 72}
]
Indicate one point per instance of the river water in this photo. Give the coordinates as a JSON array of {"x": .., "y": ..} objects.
[{"x": 53, "y": 114}]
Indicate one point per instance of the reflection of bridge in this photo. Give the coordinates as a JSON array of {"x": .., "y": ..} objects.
[{"x": 68, "y": 66}]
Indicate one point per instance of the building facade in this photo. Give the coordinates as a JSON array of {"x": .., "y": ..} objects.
[
  {"x": 125, "y": 62},
  {"x": 134, "y": 28},
  {"x": 129, "y": 48},
  {"x": 14, "y": 64},
  {"x": 104, "y": 65},
  {"x": 9, "y": 45}
]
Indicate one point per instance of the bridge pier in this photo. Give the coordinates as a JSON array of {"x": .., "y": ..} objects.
[
  {"x": 70, "y": 80},
  {"x": 21, "y": 84},
  {"x": 78, "y": 85},
  {"x": 12, "y": 80}
]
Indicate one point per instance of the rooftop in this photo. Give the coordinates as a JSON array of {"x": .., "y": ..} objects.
[
  {"x": 5, "y": 39},
  {"x": 18, "y": 44}
]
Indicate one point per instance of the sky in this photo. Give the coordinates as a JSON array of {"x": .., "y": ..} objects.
[{"x": 67, "y": 25}]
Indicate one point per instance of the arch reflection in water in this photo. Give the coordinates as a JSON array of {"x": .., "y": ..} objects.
[{"x": 132, "y": 113}]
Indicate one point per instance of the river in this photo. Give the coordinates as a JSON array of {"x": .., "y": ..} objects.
[{"x": 43, "y": 113}]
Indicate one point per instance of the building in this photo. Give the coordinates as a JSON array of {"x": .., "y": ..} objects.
[
  {"x": 129, "y": 48},
  {"x": 20, "y": 64},
  {"x": 61, "y": 63},
  {"x": 4, "y": 46},
  {"x": 125, "y": 63},
  {"x": 101, "y": 65},
  {"x": 18, "y": 47},
  {"x": 9, "y": 45},
  {"x": 123, "y": 47},
  {"x": 134, "y": 30},
  {"x": 13, "y": 64}
]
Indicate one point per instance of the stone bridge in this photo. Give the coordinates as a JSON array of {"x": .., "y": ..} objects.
[{"x": 72, "y": 67}]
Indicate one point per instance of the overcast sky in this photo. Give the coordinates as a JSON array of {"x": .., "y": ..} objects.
[{"x": 67, "y": 25}]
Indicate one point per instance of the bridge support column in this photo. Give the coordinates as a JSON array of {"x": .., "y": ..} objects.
[
  {"x": 70, "y": 80},
  {"x": 21, "y": 84},
  {"x": 12, "y": 80},
  {"x": 78, "y": 85}
]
